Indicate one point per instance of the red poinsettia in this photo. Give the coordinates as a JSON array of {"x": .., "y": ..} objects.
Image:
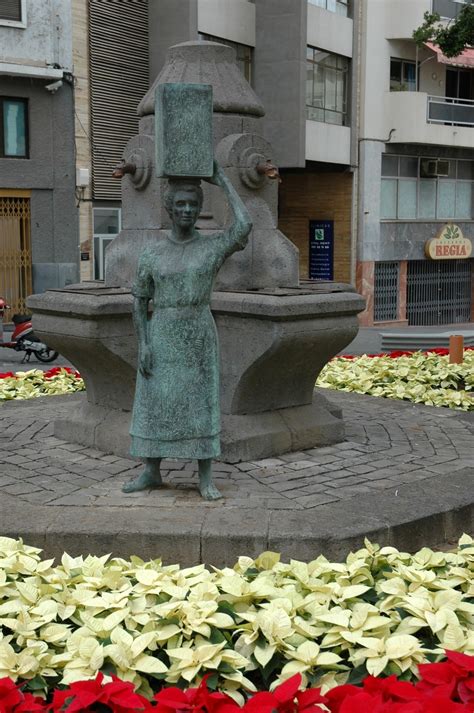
[
  {"x": 453, "y": 678},
  {"x": 87, "y": 696},
  {"x": 286, "y": 698},
  {"x": 195, "y": 700},
  {"x": 13, "y": 700}
]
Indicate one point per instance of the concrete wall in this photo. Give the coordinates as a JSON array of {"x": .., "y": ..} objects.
[
  {"x": 405, "y": 240},
  {"x": 401, "y": 17},
  {"x": 328, "y": 143},
  {"x": 46, "y": 39},
  {"x": 329, "y": 31},
  {"x": 230, "y": 19},
  {"x": 170, "y": 22},
  {"x": 50, "y": 174},
  {"x": 83, "y": 128},
  {"x": 279, "y": 76}
]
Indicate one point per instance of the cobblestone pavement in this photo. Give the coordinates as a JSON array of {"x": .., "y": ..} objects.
[{"x": 389, "y": 443}]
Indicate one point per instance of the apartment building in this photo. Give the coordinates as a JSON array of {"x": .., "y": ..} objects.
[
  {"x": 372, "y": 135},
  {"x": 297, "y": 55},
  {"x": 416, "y": 170},
  {"x": 38, "y": 222}
]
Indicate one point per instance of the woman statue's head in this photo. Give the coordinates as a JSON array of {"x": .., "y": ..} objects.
[{"x": 183, "y": 202}]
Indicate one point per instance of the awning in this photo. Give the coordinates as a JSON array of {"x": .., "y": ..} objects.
[{"x": 465, "y": 59}]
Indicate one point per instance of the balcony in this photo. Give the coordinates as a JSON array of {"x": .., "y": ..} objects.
[
  {"x": 419, "y": 118},
  {"x": 454, "y": 112}
]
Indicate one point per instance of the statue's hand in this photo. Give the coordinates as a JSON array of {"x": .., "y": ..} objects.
[
  {"x": 145, "y": 362},
  {"x": 218, "y": 175}
]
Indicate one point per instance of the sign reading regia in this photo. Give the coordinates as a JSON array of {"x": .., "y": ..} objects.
[{"x": 449, "y": 244}]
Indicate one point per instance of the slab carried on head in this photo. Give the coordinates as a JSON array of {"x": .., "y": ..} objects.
[{"x": 183, "y": 126}]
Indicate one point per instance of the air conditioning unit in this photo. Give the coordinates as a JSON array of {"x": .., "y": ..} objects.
[{"x": 434, "y": 167}]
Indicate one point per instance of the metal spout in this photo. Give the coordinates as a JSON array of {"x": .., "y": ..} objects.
[
  {"x": 269, "y": 170},
  {"x": 122, "y": 168}
]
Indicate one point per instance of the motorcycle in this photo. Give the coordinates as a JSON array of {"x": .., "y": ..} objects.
[{"x": 23, "y": 338}]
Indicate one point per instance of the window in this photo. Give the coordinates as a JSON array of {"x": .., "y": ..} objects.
[
  {"x": 340, "y": 7},
  {"x": 409, "y": 192},
  {"x": 107, "y": 225},
  {"x": 243, "y": 54},
  {"x": 326, "y": 86},
  {"x": 402, "y": 75},
  {"x": 449, "y": 9},
  {"x": 12, "y": 13},
  {"x": 13, "y": 128}
]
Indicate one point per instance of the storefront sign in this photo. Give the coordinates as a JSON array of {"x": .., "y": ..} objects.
[
  {"x": 321, "y": 250},
  {"x": 450, "y": 244}
]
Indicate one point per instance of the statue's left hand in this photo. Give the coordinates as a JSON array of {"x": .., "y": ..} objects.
[{"x": 145, "y": 361}]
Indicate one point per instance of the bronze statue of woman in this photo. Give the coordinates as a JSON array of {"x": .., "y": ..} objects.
[{"x": 176, "y": 410}]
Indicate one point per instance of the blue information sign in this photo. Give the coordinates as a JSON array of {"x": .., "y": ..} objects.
[{"x": 321, "y": 250}]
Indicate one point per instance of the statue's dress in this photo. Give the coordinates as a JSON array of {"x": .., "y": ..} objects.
[{"x": 176, "y": 410}]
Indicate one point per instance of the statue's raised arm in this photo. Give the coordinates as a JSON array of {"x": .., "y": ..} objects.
[{"x": 242, "y": 224}]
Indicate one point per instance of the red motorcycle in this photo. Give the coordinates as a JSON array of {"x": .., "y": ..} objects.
[{"x": 23, "y": 338}]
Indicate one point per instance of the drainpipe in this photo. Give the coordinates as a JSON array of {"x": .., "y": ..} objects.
[{"x": 357, "y": 52}]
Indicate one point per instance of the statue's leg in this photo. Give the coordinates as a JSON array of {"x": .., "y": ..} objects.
[
  {"x": 207, "y": 488},
  {"x": 150, "y": 477}
]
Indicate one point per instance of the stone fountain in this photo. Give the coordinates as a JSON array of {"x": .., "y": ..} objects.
[{"x": 275, "y": 334}]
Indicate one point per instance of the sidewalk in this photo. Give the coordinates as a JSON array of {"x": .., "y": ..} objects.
[
  {"x": 404, "y": 476},
  {"x": 369, "y": 341}
]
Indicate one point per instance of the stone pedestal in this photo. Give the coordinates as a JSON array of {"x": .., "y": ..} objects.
[{"x": 273, "y": 344}]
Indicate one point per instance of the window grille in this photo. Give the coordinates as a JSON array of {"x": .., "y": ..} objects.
[
  {"x": 439, "y": 292},
  {"x": 386, "y": 291}
]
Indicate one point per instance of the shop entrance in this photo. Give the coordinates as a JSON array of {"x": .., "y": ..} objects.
[
  {"x": 15, "y": 251},
  {"x": 439, "y": 292}
]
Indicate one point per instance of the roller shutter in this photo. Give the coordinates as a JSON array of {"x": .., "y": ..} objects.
[{"x": 119, "y": 72}]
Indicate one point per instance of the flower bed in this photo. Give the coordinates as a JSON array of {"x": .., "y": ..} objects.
[
  {"x": 34, "y": 383},
  {"x": 379, "y": 612},
  {"x": 420, "y": 377},
  {"x": 446, "y": 687}
]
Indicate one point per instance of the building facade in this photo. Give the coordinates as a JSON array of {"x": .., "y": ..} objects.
[
  {"x": 306, "y": 87},
  {"x": 416, "y": 170},
  {"x": 38, "y": 215},
  {"x": 372, "y": 135}
]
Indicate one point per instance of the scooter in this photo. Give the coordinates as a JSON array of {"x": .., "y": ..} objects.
[{"x": 23, "y": 338}]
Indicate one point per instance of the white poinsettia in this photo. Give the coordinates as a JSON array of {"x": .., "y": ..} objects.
[
  {"x": 426, "y": 378},
  {"x": 383, "y": 610},
  {"x": 35, "y": 382}
]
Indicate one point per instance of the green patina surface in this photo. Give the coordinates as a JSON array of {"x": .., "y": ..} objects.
[
  {"x": 176, "y": 411},
  {"x": 183, "y": 126}
]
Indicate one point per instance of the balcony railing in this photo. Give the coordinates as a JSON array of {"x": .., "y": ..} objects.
[{"x": 456, "y": 112}]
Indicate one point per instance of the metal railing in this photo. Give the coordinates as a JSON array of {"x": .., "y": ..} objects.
[
  {"x": 386, "y": 284},
  {"x": 438, "y": 292},
  {"x": 445, "y": 110}
]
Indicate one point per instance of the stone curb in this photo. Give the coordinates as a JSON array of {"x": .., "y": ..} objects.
[{"x": 407, "y": 517}]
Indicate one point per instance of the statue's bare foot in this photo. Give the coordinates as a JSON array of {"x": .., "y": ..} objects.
[
  {"x": 210, "y": 492},
  {"x": 146, "y": 480}
]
